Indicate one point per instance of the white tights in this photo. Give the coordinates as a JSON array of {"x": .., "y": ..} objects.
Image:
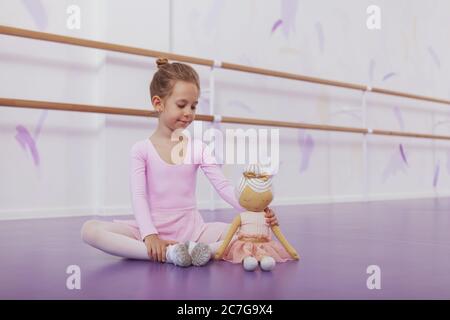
[{"x": 118, "y": 239}]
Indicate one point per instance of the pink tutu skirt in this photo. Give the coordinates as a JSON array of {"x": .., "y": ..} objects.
[{"x": 239, "y": 249}]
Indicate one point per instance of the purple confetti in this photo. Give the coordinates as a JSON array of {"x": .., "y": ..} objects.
[
  {"x": 288, "y": 13},
  {"x": 436, "y": 175},
  {"x": 37, "y": 11},
  {"x": 402, "y": 153},
  {"x": 434, "y": 56},
  {"x": 395, "y": 164},
  {"x": 276, "y": 25},
  {"x": 42, "y": 118},
  {"x": 399, "y": 117},
  {"x": 320, "y": 36},
  {"x": 389, "y": 75},
  {"x": 306, "y": 144},
  {"x": 25, "y": 139}
]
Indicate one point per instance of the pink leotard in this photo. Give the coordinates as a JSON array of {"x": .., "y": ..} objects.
[{"x": 163, "y": 194}]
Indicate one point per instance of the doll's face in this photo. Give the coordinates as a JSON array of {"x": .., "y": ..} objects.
[{"x": 255, "y": 201}]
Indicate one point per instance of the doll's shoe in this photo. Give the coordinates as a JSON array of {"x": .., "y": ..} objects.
[
  {"x": 267, "y": 263},
  {"x": 180, "y": 255},
  {"x": 250, "y": 263},
  {"x": 200, "y": 254}
]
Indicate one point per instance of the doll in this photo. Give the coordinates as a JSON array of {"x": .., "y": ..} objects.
[{"x": 253, "y": 243}]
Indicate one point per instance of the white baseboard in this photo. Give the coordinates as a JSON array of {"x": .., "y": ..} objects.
[
  {"x": 18, "y": 214},
  {"x": 348, "y": 198}
]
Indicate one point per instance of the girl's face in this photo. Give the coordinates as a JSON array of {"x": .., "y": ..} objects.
[{"x": 178, "y": 110}]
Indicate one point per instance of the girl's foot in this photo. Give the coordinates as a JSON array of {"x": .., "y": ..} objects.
[
  {"x": 178, "y": 254},
  {"x": 200, "y": 253}
]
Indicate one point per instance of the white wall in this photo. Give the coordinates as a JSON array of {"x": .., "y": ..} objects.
[{"x": 83, "y": 166}]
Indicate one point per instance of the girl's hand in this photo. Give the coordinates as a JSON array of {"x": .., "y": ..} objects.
[
  {"x": 271, "y": 219},
  {"x": 156, "y": 247}
]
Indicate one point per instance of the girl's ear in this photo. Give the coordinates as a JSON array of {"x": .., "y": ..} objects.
[
  {"x": 157, "y": 104},
  {"x": 156, "y": 100}
]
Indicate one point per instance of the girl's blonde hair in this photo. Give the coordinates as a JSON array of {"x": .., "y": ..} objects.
[{"x": 168, "y": 73}]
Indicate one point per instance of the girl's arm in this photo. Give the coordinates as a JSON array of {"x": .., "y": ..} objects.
[
  {"x": 213, "y": 172},
  {"x": 138, "y": 185}
]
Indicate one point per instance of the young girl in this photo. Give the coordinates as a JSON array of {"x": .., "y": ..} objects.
[{"x": 168, "y": 226}]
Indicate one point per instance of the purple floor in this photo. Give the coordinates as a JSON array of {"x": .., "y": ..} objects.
[{"x": 408, "y": 239}]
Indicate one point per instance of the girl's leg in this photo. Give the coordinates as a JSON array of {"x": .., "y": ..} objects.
[
  {"x": 214, "y": 235},
  {"x": 119, "y": 239},
  {"x": 114, "y": 238}
]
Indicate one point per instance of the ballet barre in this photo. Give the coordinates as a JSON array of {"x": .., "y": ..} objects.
[
  {"x": 35, "y": 104},
  {"x": 30, "y": 34}
]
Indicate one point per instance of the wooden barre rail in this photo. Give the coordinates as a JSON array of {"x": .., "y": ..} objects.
[
  {"x": 33, "y": 104},
  {"x": 206, "y": 62}
]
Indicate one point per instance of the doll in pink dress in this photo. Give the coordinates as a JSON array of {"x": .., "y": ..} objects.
[{"x": 249, "y": 238}]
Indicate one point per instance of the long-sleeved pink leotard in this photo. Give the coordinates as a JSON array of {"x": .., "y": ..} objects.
[{"x": 163, "y": 194}]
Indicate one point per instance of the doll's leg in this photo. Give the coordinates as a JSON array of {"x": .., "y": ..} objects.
[
  {"x": 267, "y": 263},
  {"x": 114, "y": 238},
  {"x": 250, "y": 263}
]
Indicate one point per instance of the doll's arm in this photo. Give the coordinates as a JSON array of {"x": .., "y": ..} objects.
[
  {"x": 234, "y": 226},
  {"x": 290, "y": 249}
]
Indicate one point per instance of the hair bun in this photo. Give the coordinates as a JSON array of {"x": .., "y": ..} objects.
[{"x": 161, "y": 61}]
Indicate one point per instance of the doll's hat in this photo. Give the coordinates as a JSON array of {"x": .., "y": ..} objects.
[{"x": 256, "y": 176}]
